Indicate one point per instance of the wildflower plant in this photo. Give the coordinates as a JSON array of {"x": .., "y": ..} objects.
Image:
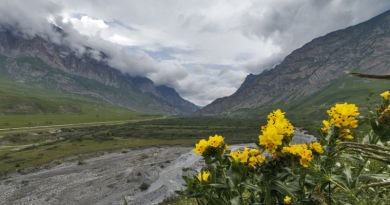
[{"x": 331, "y": 170}]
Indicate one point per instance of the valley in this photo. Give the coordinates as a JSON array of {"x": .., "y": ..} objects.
[
  {"x": 139, "y": 175},
  {"x": 102, "y": 115},
  {"x": 24, "y": 149}
]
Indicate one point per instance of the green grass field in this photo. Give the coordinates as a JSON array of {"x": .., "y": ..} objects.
[
  {"x": 38, "y": 147},
  {"x": 27, "y": 106}
]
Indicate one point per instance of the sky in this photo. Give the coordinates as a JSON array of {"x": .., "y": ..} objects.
[{"x": 202, "y": 48}]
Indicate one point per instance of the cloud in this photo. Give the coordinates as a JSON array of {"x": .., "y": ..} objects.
[
  {"x": 31, "y": 17},
  {"x": 202, "y": 48},
  {"x": 293, "y": 23}
]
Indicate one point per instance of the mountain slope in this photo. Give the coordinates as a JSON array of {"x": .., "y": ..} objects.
[
  {"x": 309, "y": 69},
  {"x": 26, "y": 106},
  {"x": 37, "y": 62}
]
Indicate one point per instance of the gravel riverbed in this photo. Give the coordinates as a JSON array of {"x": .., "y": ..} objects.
[{"x": 142, "y": 176}]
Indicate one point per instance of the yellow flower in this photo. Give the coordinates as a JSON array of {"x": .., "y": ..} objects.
[
  {"x": 302, "y": 151},
  {"x": 203, "y": 176},
  {"x": 260, "y": 159},
  {"x": 344, "y": 115},
  {"x": 316, "y": 146},
  {"x": 346, "y": 134},
  {"x": 277, "y": 119},
  {"x": 215, "y": 141},
  {"x": 385, "y": 95},
  {"x": 287, "y": 200},
  {"x": 252, "y": 161},
  {"x": 273, "y": 133},
  {"x": 348, "y": 137},
  {"x": 270, "y": 138},
  {"x": 244, "y": 156},
  {"x": 387, "y": 109},
  {"x": 235, "y": 155},
  {"x": 201, "y": 147},
  {"x": 251, "y": 157},
  {"x": 326, "y": 127},
  {"x": 254, "y": 152}
]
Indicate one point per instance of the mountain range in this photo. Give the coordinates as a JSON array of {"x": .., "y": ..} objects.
[
  {"x": 317, "y": 72},
  {"x": 309, "y": 79},
  {"x": 38, "y": 63}
]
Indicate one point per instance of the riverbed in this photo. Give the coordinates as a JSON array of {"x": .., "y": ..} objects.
[{"x": 143, "y": 176}]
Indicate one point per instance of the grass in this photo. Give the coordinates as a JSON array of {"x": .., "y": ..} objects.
[
  {"x": 39, "y": 147},
  {"x": 25, "y": 106},
  {"x": 179, "y": 201},
  {"x": 42, "y": 154},
  {"x": 308, "y": 112},
  {"x": 49, "y": 80}
]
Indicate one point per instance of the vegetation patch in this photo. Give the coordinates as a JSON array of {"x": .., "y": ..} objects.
[{"x": 340, "y": 167}]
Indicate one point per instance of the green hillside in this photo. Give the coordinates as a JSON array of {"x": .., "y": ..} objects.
[
  {"x": 310, "y": 110},
  {"x": 22, "y": 105}
]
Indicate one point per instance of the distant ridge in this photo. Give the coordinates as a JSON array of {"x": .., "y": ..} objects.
[{"x": 361, "y": 48}]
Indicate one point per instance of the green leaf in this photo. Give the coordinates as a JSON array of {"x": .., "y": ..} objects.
[
  {"x": 283, "y": 189},
  {"x": 218, "y": 185},
  {"x": 348, "y": 173},
  {"x": 235, "y": 201}
]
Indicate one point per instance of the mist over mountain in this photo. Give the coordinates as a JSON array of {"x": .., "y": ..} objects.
[
  {"x": 364, "y": 47},
  {"x": 36, "y": 61}
]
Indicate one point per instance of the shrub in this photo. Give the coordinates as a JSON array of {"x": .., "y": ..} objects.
[{"x": 335, "y": 169}]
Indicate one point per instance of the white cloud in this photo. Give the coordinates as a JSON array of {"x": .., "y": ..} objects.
[
  {"x": 203, "y": 48},
  {"x": 87, "y": 25}
]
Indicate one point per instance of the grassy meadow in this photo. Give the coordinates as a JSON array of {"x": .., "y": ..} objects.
[
  {"x": 39, "y": 147},
  {"x": 25, "y": 106}
]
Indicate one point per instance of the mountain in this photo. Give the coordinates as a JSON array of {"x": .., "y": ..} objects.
[
  {"x": 37, "y": 62},
  {"x": 308, "y": 71}
]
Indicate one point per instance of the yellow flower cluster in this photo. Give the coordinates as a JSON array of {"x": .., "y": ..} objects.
[
  {"x": 278, "y": 120},
  {"x": 317, "y": 147},
  {"x": 287, "y": 200},
  {"x": 346, "y": 134},
  {"x": 326, "y": 126},
  {"x": 251, "y": 157},
  {"x": 304, "y": 152},
  {"x": 385, "y": 95},
  {"x": 344, "y": 115},
  {"x": 201, "y": 146},
  {"x": 215, "y": 141},
  {"x": 387, "y": 109},
  {"x": 203, "y": 176},
  {"x": 274, "y": 132}
]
